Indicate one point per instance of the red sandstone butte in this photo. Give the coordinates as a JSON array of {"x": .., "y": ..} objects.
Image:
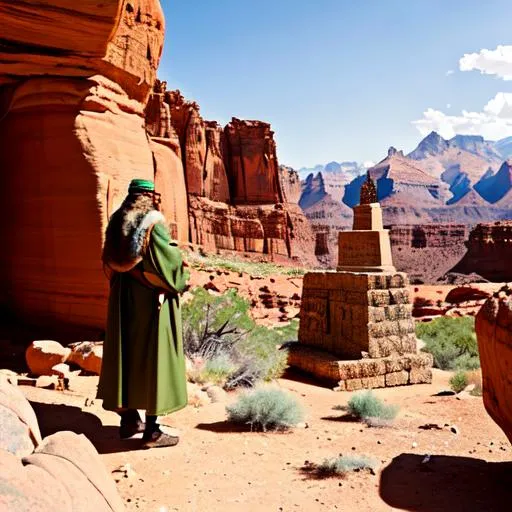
[
  {"x": 253, "y": 167},
  {"x": 74, "y": 81},
  {"x": 494, "y": 332}
]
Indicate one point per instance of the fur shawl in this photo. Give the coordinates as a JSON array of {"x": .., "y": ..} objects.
[{"x": 128, "y": 233}]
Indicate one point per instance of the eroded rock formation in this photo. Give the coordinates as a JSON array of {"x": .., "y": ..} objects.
[
  {"x": 61, "y": 472},
  {"x": 489, "y": 250},
  {"x": 239, "y": 198},
  {"x": 74, "y": 81},
  {"x": 494, "y": 332},
  {"x": 77, "y": 101},
  {"x": 427, "y": 252}
]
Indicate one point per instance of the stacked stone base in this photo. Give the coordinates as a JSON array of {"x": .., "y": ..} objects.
[{"x": 359, "y": 374}]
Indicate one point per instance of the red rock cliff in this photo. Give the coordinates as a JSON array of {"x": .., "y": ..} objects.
[
  {"x": 494, "y": 332},
  {"x": 74, "y": 80},
  {"x": 239, "y": 199},
  {"x": 252, "y": 163},
  {"x": 489, "y": 251}
]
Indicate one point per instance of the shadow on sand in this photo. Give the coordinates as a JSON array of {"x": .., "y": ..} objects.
[
  {"x": 297, "y": 375},
  {"x": 344, "y": 418},
  {"x": 225, "y": 427},
  {"x": 446, "y": 483},
  {"x": 53, "y": 418}
]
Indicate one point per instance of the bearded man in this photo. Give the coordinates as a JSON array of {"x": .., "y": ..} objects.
[{"x": 143, "y": 363}]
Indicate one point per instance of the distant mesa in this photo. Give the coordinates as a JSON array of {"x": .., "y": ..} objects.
[{"x": 489, "y": 252}]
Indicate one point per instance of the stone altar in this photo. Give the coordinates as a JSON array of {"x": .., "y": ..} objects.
[{"x": 356, "y": 327}]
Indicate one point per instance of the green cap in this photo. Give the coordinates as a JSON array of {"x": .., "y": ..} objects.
[{"x": 139, "y": 185}]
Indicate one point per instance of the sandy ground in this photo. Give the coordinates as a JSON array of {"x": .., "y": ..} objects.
[{"x": 220, "y": 467}]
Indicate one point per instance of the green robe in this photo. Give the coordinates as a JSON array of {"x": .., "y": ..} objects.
[{"x": 143, "y": 363}]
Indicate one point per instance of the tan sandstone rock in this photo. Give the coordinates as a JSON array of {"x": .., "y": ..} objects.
[{"x": 19, "y": 432}]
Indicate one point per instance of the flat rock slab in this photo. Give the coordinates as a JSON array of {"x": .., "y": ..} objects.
[{"x": 352, "y": 375}]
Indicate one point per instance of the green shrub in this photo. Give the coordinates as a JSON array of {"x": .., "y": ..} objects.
[
  {"x": 345, "y": 464},
  {"x": 451, "y": 341},
  {"x": 459, "y": 381},
  {"x": 367, "y": 407},
  {"x": 220, "y": 326},
  {"x": 216, "y": 370},
  {"x": 266, "y": 408}
]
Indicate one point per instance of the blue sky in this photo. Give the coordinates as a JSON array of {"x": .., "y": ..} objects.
[{"x": 344, "y": 79}]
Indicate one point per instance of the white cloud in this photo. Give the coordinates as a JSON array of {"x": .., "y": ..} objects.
[
  {"x": 493, "y": 122},
  {"x": 449, "y": 72},
  {"x": 448, "y": 105},
  {"x": 368, "y": 164},
  {"x": 489, "y": 62}
]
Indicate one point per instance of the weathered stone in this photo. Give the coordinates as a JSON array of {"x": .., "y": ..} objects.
[
  {"x": 87, "y": 355},
  {"x": 361, "y": 368},
  {"x": 253, "y": 166},
  {"x": 348, "y": 313},
  {"x": 367, "y": 247},
  {"x": 397, "y": 378},
  {"x": 489, "y": 249},
  {"x": 170, "y": 179},
  {"x": 361, "y": 373},
  {"x": 43, "y": 355},
  {"x": 420, "y": 376},
  {"x": 494, "y": 333},
  {"x": 73, "y": 461},
  {"x": 353, "y": 385},
  {"x": 20, "y": 432},
  {"x": 79, "y": 75}
]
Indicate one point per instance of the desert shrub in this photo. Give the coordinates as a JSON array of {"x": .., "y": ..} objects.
[
  {"x": 220, "y": 330},
  {"x": 466, "y": 361},
  {"x": 459, "y": 381},
  {"x": 340, "y": 466},
  {"x": 266, "y": 408},
  {"x": 216, "y": 370},
  {"x": 451, "y": 341},
  {"x": 367, "y": 407}
]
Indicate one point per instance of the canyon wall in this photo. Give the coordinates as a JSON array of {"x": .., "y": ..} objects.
[
  {"x": 74, "y": 82},
  {"x": 239, "y": 198},
  {"x": 427, "y": 252},
  {"x": 489, "y": 252},
  {"x": 494, "y": 333},
  {"x": 81, "y": 114}
]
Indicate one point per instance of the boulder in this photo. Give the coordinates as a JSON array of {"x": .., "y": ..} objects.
[
  {"x": 19, "y": 432},
  {"x": 65, "y": 473},
  {"x": 42, "y": 355},
  {"x": 30, "y": 488},
  {"x": 88, "y": 356},
  {"x": 72, "y": 461},
  {"x": 494, "y": 333}
]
